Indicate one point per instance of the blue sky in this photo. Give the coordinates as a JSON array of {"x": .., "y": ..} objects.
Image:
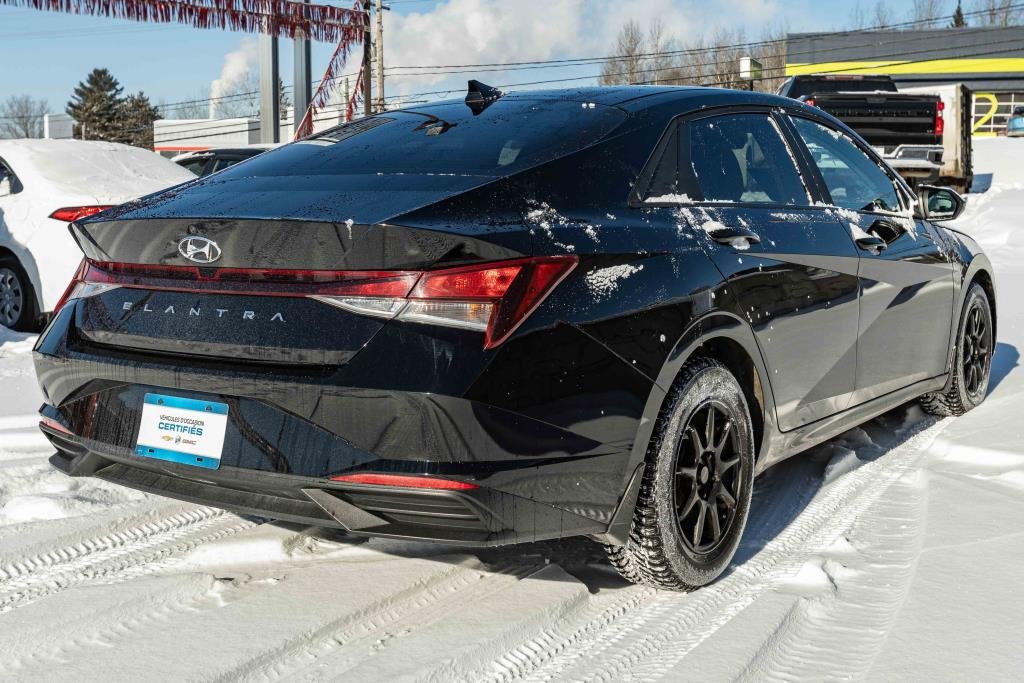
[{"x": 46, "y": 54}]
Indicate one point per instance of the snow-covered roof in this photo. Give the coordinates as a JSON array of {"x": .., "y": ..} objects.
[{"x": 109, "y": 171}]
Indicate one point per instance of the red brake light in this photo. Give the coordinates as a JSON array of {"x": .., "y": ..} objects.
[
  {"x": 54, "y": 425},
  {"x": 466, "y": 283},
  {"x": 940, "y": 123},
  {"x": 406, "y": 481},
  {"x": 494, "y": 298},
  {"x": 809, "y": 101},
  {"x": 70, "y": 214}
]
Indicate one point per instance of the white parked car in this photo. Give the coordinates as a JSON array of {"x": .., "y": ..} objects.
[{"x": 44, "y": 185}]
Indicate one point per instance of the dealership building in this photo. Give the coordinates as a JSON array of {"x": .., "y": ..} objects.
[{"x": 989, "y": 61}]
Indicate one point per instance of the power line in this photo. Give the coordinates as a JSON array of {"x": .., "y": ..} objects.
[
  {"x": 710, "y": 49},
  {"x": 712, "y": 83},
  {"x": 695, "y": 50},
  {"x": 674, "y": 78}
]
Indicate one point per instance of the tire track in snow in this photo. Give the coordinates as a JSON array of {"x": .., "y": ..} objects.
[
  {"x": 659, "y": 634},
  {"x": 81, "y": 633},
  {"x": 114, "y": 557},
  {"x": 80, "y": 543},
  {"x": 346, "y": 640},
  {"x": 851, "y": 621},
  {"x": 664, "y": 635},
  {"x": 565, "y": 641}
]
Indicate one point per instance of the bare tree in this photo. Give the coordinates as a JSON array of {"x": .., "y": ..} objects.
[
  {"x": 881, "y": 15},
  {"x": 878, "y": 16},
  {"x": 21, "y": 116},
  {"x": 927, "y": 12},
  {"x": 998, "y": 12},
  {"x": 242, "y": 99},
  {"x": 197, "y": 106},
  {"x": 625, "y": 65}
]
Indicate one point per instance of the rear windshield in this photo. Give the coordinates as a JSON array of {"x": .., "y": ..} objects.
[
  {"x": 803, "y": 88},
  {"x": 510, "y": 135}
]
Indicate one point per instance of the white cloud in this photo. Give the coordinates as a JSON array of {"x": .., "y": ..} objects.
[
  {"x": 480, "y": 31},
  {"x": 501, "y": 31},
  {"x": 237, "y": 65}
]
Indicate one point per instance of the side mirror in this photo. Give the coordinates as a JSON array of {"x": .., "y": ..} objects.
[{"x": 939, "y": 203}]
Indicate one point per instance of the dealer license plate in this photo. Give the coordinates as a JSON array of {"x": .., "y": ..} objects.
[{"x": 182, "y": 430}]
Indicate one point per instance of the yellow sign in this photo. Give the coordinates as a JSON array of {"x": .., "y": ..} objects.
[{"x": 918, "y": 66}]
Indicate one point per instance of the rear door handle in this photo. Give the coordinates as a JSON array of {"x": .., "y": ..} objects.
[
  {"x": 871, "y": 243},
  {"x": 729, "y": 235}
]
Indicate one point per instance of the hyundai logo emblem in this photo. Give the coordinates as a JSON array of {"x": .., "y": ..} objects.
[{"x": 199, "y": 249}]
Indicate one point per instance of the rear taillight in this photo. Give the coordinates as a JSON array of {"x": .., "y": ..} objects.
[
  {"x": 940, "y": 123},
  {"x": 494, "y": 298},
  {"x": 70, "y": 214},
  {"x": 809, "y": 102},
  {"x": 405, "y": 481},
  {"x": 82, "y": 286}
]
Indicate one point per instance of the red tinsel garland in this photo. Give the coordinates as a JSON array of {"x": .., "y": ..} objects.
[
  {"x": 328, "y": 84},
  {"x": 282, "y": 18}
]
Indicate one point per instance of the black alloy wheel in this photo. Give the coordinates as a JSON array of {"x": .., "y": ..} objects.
[
  {"x": 697, "y": 484},
  {"x": 708, "y": 478},
  {"x": 977, "y": 353},
  {"x": 971, "y": 365}
]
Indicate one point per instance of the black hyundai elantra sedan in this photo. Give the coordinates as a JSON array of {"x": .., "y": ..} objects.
[{"x": 596, "y": 312}]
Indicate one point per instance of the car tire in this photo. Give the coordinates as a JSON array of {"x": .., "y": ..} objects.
[
  {"x": 688, "y": 482},
  {"x": 972, "y": 359},
  {"x": 18, "y": 308}
]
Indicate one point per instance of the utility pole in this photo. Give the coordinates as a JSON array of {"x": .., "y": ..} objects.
[
  {"x": 270, "y": 94},
  {"x": 348, "y": 94},
  {"x": 367, "y": 63},
  {"x": 302, "y": 90},
  {"x": 380, "y": 56}
]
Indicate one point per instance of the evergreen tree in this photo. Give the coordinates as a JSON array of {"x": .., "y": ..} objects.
[
  {"x": 959, "y": 21},
  {"x": 96, "y": 106},
  {"x": 136, "y": 117}
]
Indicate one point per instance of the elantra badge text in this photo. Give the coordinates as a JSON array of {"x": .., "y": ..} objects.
[{"x": 199, "y": 249}]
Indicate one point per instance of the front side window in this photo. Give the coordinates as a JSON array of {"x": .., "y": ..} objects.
[
  {"x": 853, "y": 179},
  {"x": 735, "y": 158}
]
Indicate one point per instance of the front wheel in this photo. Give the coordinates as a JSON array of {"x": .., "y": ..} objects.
[
  {"x": 972, "y": 359},
  {"x": 697, "y": 484}
]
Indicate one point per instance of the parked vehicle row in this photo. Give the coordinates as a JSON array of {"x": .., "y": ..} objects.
[{"x": 597, "y": 312}]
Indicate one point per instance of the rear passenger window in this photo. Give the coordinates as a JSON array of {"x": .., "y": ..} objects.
[
  {"x": 853, "y": 179},
  {"x": 736, "y": 158}
]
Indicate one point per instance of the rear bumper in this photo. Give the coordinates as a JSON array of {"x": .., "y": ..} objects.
[
  {"x": 476, "y": 517},
  {"x": 915, "y": 159},
  {"x": 558, "y": 468}
]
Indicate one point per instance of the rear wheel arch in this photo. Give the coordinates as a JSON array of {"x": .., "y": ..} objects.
[
  {"x": 735, "y": 358},
  {"x": 729, "y": 340}
]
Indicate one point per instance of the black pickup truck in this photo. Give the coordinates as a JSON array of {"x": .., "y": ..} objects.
[{"x": 905, "y": 129}]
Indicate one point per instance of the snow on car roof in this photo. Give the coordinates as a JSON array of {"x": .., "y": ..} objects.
[{"x": 110, "y": 171}]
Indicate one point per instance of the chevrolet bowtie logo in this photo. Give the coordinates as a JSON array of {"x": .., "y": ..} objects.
[{"x": 199, "y": 249}]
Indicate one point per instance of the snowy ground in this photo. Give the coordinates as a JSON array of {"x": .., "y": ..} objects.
[{"x": 892, "y": 552}]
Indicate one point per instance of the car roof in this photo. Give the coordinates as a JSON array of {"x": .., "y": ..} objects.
[
  {"x": 109, "y": 170},
  {"x": 638, "y": 97}
]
